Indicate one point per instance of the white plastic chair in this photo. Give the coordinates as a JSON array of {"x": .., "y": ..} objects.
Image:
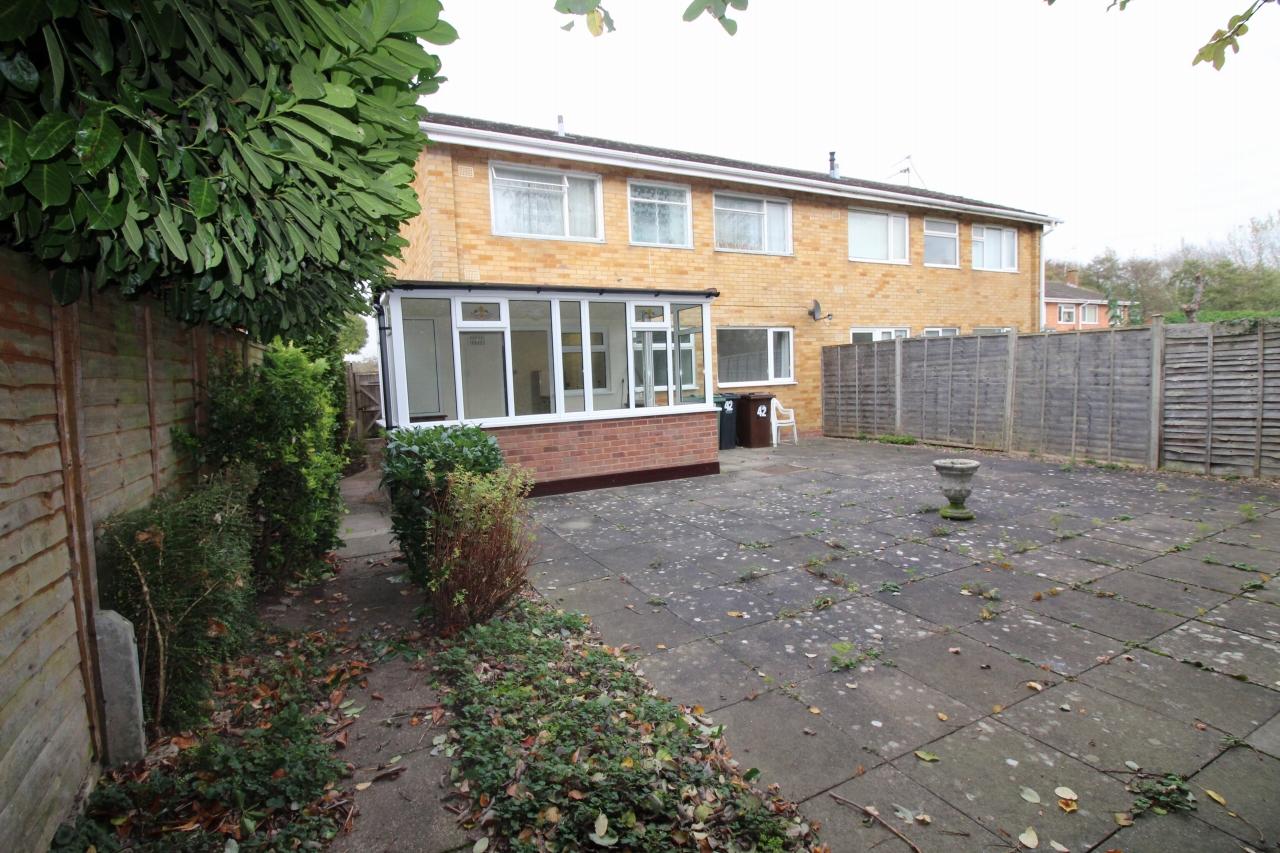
[{"x": 783, "y": 418}]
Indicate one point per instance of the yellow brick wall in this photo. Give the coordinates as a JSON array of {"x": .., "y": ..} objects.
[{"x": 453, "y": 241}]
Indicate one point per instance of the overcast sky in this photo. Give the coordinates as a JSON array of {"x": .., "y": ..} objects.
[{"x": 1096, "y": 117}]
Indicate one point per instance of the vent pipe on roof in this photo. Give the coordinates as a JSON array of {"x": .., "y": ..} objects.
[
  {"x": 833, "y": 170},
  {"x": 559, "y": 125}
]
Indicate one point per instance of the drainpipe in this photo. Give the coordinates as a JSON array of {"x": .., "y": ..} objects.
[
  {"x": 383, "y": 328},
  {"x": 1045, "y": 230}
]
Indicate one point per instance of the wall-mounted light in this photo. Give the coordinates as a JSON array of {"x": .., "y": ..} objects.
[{"x": 816, "y": 312}]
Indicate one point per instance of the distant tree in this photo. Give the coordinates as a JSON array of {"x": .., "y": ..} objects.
[{"x": 353, "y": 334}]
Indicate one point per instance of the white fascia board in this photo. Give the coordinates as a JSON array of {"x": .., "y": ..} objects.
[{"x": 450, "y": 135}]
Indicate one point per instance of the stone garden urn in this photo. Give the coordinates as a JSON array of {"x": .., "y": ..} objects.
[{"x": 957, "y": 478}]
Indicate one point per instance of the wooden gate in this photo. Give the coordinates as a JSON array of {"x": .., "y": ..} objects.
[{"x": 364, "y": 402}]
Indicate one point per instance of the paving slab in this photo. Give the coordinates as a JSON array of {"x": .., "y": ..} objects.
[
  {"x": 768, "y": 733},
  {"x": 1105, "y": 731},
  {"x": 978, "y": 675},
  {"x": 1252, "y": 559},
  {"x": 868, "y": 622},
  {"x": 940, "y": 602},
  {"x": 793, "y": 588},
  {"x": 885, "y": 788},
  {"x": 1185, "y": 692},
  {"x": 644, "y": 628},
  {"x": 1172, "y": 833},
  {"x": 1171, "y": 596},
  {"x": 1249, "y": 785},
  {"x": 594, "y": 597},
  {"x": 1102, "y": 551},
  {"x": 1260, "y": 618},
  {"x": 700, "y": 673},
  {"x": 565, "y": 571},
  {"x": 788, "y": 651},
  {"x": 1231, "y": 652},
  {"x": 1179, "y": 567},
  {"x": 1054, "y": 565},
  {"x": 1267, "y": 738},
  {"x": 981, "y": 772},
  {"x": 1044, "y": 641},
  {"x": 1145, "y": 538},
  {"x": 707, "y": 610},
  {"x": 889, "y": 713},
  {"x": 1104, "y": 615},
  {"x": 922, "y": 560},
  {"x": 676, "y": 551}
]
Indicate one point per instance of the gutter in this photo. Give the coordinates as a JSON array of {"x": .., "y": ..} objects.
[
  {"x": 494, "y": 287},
  {"x": 452, "y": 135},
  {"x": 381, "y": 314}
]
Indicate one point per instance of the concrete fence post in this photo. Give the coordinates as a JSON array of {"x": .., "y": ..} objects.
[
  {"x": 897, "y": 386},
  {"x": 121, "y": 688}
]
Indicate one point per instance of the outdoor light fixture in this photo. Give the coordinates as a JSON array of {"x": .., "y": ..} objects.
[{"x": 816, "y": 312}]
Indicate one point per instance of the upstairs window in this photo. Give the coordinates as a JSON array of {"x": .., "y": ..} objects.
[
  {"x": 879, "y": 237},
  {"x": 747, "y": 224},
  {"x": 660, "y": 215},
  {"x": 941, "y": 243},
  {"x": 995, "y": 248},
  {"x": 540, "y": 203}
]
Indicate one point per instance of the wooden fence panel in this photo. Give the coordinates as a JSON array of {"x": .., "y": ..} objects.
[{"x": 1268, "y": 452}]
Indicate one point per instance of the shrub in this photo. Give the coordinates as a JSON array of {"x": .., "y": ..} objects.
[
  {"x": 412, "y": 462},
  {"x": 277, "y": 417},
  {"x": 180, "y": 570},
  {"x": 896, "y": 439}
]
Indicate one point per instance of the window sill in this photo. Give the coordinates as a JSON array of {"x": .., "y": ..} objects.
[
  {"x": 943, "y": 266},
  {"x": 985, "y": 269},
  {"x": 570, "y": 417},
  {"x": 751, "y": 252},
  {"x": 769, "y": 384},
  {"x": 550, "y": 237},
  {"x": 661, "y": 246},
  {"x": 873, "y": 261}
]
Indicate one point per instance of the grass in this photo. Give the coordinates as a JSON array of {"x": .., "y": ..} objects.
[
  {"x": 263, "y": 775},
  {"x": 848, "y": 656},
  {"x": 561, "y": 746},
  {"x": 896, "y": 439}
]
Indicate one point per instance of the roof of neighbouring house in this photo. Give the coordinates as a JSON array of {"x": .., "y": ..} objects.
[
  {"x": 462, "y": 130},
  {"x": 1060, "y": 291}
]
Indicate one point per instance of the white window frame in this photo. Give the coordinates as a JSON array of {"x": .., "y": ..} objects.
[
  {"x": 1085, "y": 310},
  {"x": 767, "y": 199},
  {"x": 941, "y": 331},
  {"x": 769, "y": 332},
  {"x": 953, "y": 236},
  {"x": 991, "y": 330},
  {"x": 906, "y": 226},
  {"x": 397, "y": 374},
  {"x": 588, "y": 371},
  {"x": 879, "y": 331},
  {"x": 1063, "y": 308},
  {"x": 688, "y": 209},
  {"x": 986, "y": 267},
  {"x": 564, "y": 175}
]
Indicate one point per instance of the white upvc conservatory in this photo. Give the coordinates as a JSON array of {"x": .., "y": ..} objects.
[{"x": 510, "y": 355}]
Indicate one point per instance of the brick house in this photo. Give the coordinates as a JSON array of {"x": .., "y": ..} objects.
[
  {"x": 1069, "y": 307},
  {"x": 692, "y": 274}
]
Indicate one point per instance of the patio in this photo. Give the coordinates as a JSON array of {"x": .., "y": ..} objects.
[{"x": 1133, "y": 623}]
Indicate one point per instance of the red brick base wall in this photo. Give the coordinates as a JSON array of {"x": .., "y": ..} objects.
[{"x": 626, "y": 446}]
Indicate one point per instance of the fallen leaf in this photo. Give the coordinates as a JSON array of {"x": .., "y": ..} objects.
[
  {"x": 577, "y": 795},
  {"x": 662, "y": 646},
  {"x": 602, "y": 825},
  {"x": 481, "y": 845},
  {"x": 1029, "y": 795},
  {"x": 378, "y": 696},
  {"x": 810, "y": 732},
  {"x": 1035, "y": 685},
  {"x": 1056, "y": 846},
  {"x": 924, "y": 755},
  {"x": 552, "y": 815},
  {"x": 806, "y": 654},
  {"x": 923, "y": 818},
  {"x": 1133, "y": 765},
  {"x": 1066, "y": 793},
  {"x": 814, "y": 711},
  {"x": 1201, "y": 726},
  {"x": 1066, "y": 805},
  {"x": 737, "y": 614},
  {"x": 942, "y": 716},
  {"x": 903, "y": 814},
  {"x": 997, "y": 708},
  {"x": 279, "y": 773},
  {"x": 363, "y": 786},
  {"x": 871, "y": 810},
  {"x": 1029, "y": 839},
  {"x": 1217, "y": 798},
  {"x": 852, "y": 685},
  {"x": 1124, "y": 819},
  {"x": 955, "y": 650}
]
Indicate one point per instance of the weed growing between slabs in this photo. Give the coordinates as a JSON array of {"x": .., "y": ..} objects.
[
  {"x": 561, "y": 747},
  {"x": 260, "y": 776}
]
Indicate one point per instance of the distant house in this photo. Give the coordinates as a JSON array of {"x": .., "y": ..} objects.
[
  {"x": 584, "y": 299},
  {"x": 1068, "y": 307}
]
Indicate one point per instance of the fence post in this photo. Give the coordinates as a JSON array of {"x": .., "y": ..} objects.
[
  {"x": 977, "y": 386},
  {"x": 1010, "y": 384},
  {"x": 1075, "y": 400},
  {"x": 897, "y": 386},
  {"x": 1157, "y": 391},
  {"x": 1262, "y": 392},
  {"x": 1208, "y": 408},
  {"x": 839, "y": 394}
]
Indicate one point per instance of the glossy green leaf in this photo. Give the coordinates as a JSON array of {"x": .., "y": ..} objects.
[
  {"x": 65, "y": 282},
  {"x": 132, "y": 234},
  {"x": 52, "y": 133},
  {"x": 444, "y": 33},
  {"x": 19, "y": 71},
  {"x": 13, "y": 152},
  {"x": 204, "y": 197},
  {"x": 99, "y": 212},
  {"x": 330, "y": 121},
  {"x": 57, "y": 71},
  {"x": 50, "y": 183},
  {"x": 169, "y": 231},
  {"x": 339, "y": 96},
  {"x": 97, "y": 141},
  {"x": 416, "y": 15}
]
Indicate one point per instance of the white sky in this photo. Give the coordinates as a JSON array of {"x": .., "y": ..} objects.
[{"x": 1096, "y": 117}]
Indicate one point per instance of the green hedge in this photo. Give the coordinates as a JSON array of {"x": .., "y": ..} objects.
[
  {"x": 278, "y": 417},
  {"x": 180, "y": 571}
]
